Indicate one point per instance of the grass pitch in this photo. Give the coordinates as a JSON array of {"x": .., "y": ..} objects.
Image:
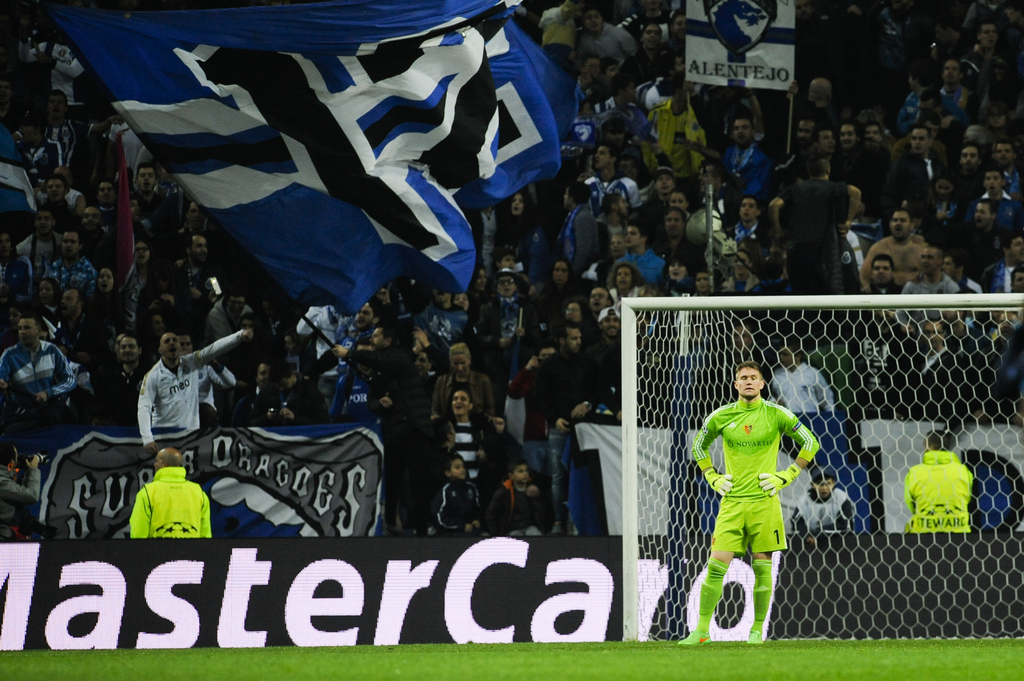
[{"x": 935, "y": 660}]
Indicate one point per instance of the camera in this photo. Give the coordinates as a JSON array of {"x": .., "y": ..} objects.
[
  {"x": 213, "y": 285},
  {"x": 23, "y": 459},
  {"x": 30, "y": 525}
]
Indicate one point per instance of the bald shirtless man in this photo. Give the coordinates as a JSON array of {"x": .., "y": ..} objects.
[{"x": 904, "y": 247}]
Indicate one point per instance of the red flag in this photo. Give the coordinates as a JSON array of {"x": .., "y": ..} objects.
[{"x": 125, "y": 232}]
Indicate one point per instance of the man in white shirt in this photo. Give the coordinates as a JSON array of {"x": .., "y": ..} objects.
[
  {"x": 800, "y": 387},
  {"x": 169, "y": 396},
  {"x": 608, "y": 179}
]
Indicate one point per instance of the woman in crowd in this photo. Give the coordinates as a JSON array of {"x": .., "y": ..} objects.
[
  {"x": 519, "y": 226},
  {"x": 678, "y": 278},
  {"x": 48, "y": 300},
  {"x": 160, "y": 296},
  {"x": 745, "y": 269},
  {"x": 477, "y": 294},
  {"x": 105, "y": 305},
  {"x": 10, "y": 336},
  {"x": 561, "y": 286},
  {"x": 614, "y": 218},
  {"x": 624, "y": 280},
  {"x": 132, "y": 289},
  {"x": 462, "y": 377},
  {"x": 479, "y": 440},
  {"x": 577, "y": 311}
]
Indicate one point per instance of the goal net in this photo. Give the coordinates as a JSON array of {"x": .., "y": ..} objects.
[{"x": 871, "y": 376}]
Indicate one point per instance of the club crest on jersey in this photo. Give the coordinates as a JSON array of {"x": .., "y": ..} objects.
[
  {"x": 740, "y": 24},
  {"x": 748, "y": 429}
]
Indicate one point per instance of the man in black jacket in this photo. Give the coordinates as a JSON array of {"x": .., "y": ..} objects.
[
  {"x": 85, "y": 338},
  {"x": 509, "y": 317},
  {"x": 910, "y": 174},
  {"x": 567, "y": 390},
  {"x": 117, "y": 385},
  {"x": 289, "y": 401},
  {"x": 397, "y": 395}
]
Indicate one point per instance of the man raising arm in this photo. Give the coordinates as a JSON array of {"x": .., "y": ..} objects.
[{"x": 169, "y": 396}]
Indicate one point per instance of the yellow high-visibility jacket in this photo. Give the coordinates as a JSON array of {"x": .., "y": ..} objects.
[
  {"x": 171, "y": 507},
  {"x": 671, "y": 131},
  {"x": 937, "y": 492}
]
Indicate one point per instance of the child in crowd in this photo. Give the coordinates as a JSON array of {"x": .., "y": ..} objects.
[
  {"x": 505, "y": 259},
  {"x": 456, "y": 508},
  {"x": 516, "y": 509}
]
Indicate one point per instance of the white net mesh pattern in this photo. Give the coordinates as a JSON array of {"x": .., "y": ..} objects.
[{"x": 870, "y": 384}]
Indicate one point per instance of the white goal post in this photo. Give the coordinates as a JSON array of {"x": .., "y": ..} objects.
[{"x": 695, "y": 327}]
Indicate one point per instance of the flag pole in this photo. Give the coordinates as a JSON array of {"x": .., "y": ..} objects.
[
  {"x": 789, "y": 128},
  {"x": 125, "y": 236},
  {"x": 316, "y": 330}
]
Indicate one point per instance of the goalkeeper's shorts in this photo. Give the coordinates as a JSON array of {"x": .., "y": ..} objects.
[{"x": 757, "y": 524}]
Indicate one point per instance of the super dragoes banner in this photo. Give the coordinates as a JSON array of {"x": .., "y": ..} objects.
[{"x": 318, "y": 481}]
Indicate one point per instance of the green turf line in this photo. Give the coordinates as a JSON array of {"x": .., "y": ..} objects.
[{"x": 991, "y": 660}]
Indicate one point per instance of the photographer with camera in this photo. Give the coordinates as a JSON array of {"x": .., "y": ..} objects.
[{"x": 15, "y": 493}]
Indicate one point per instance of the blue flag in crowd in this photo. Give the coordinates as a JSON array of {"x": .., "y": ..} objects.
[
  {"x": 15, "y": 189},
  {"x": 339, "y": 141}
]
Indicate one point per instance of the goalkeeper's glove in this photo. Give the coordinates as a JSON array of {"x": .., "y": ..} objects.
[
  {"x": 720, "y": 483},
  {"x": 773, "y": 482}
]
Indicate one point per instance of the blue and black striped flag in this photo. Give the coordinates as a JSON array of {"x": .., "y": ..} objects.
[{"x": 338, "y": 141}]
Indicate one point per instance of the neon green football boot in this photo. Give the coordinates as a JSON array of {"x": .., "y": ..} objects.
[
  {"x": 696, "y": 638},
  {"x": 755, "y": 638}
]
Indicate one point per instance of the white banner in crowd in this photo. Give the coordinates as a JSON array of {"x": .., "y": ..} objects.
[
  {"x": 902, "y": 444},
  {"x": 740, "y": 43},
  {"x": 653, "y": 463}
]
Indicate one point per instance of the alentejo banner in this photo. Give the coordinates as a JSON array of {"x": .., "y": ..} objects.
[{"x": 741, "y": 43}]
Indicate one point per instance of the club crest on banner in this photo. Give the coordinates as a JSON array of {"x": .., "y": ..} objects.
[
  {"x": 741, "y": 43},
  {"x": 740, "y": 24}
]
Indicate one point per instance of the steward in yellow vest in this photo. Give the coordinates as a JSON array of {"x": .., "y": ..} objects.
[
  {"x": 170, "y": 506},
  {"x": 938, "y": 490}
]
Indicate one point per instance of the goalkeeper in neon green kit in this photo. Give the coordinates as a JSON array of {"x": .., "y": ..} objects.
[{"x": 750, "y": 514}]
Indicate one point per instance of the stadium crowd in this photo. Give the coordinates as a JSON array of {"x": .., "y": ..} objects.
[{"x": 900, "y": 173}]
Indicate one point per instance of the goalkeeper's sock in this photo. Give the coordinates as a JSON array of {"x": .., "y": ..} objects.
[
  {"x": 762, "y": 591},
  {"x": 711, "y": 592}
]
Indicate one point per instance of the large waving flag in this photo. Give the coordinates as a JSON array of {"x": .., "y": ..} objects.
[
  {"x": 16, "y": 191},
  {"x": 338, "y": 141}
]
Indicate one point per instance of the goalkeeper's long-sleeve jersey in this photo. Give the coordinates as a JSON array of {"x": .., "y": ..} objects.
[{"x": 750, "y": 436}]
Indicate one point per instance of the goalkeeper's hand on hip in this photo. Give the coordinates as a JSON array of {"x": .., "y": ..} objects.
[
  {"x": 720, "y": 483},
  {"x": 771, "y": 483}
]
